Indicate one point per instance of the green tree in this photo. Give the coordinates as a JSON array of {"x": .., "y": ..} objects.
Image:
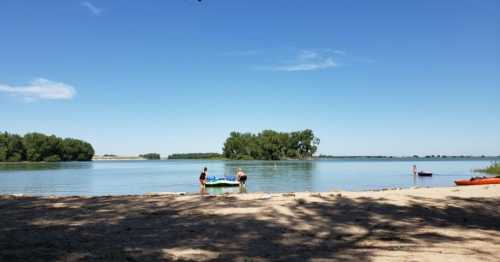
[
  {"x": 271, "y": 145},
  {"x": 70, "y": 149},
  {"x": 16, "y": 150},
  {"x": 11, "y": 148},
  {"x": 86, "y": 152},
  {"x": 76, "y": 150},
  {"x": 4, "y": 150},
  {"x": 39, "y": 147}
]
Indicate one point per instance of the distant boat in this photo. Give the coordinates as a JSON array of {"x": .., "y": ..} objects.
[
  {"x": 421, "y": 173},
  {"x": 478, "y": 181}
]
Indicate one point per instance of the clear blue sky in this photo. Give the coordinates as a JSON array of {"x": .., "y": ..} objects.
[{"x": 369, "y": 77}]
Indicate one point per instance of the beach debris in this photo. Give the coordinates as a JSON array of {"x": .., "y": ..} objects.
[
  {"x": 291, "y": 194},
  {"x": 268, "y": 196},
  {"x": 301, "y": 201},
  {"x": 337, "y": 195}
]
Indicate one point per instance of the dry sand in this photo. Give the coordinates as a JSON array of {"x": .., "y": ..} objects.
[{"x": 438, "y": 224}]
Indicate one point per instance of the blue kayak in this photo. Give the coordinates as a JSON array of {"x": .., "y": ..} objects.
[{"x": 221, "y": 182}]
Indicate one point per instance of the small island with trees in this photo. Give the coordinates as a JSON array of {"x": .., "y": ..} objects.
[
  {"x": 151, "y": 156},
  {"x": 271, "y": 145},
  {"x": 266, "y": 145},
  {"x": 37, "y": 147}
]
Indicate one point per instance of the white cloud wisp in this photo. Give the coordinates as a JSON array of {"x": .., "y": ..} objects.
[
  {"x": 308, "y": 60},
  {"x": 40, "y": 89},
  {"x": 316, "y": 65},
  {"x": 92, "y": 8}
]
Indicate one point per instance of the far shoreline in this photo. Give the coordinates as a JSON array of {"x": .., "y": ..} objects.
[{"x": 340, "y": 158}]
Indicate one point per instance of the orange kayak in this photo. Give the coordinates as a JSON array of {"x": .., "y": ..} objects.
[{"x": 478, "y": 181}]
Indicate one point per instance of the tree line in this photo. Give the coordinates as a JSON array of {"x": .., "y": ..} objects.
[
  {"x": 407, "y": 157},
  {"x": 196, "y": 156},
  {"x": 271, "y": 145},
  {"x": 38, "y": 147},
  {"x": 151, "y": 156}
]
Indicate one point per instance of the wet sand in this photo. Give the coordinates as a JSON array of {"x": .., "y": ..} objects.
[{"x": 429, "y": 224}]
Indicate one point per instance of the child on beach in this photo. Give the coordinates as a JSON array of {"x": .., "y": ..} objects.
[{"x": 203, "y": 176}]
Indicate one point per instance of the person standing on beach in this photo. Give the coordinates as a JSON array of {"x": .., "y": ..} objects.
[
  {"x": 203, "y": 176},
  {"x": 242, "y": 177}
]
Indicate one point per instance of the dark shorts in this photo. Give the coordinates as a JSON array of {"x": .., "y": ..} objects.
[{"x": 243, "y": 179}]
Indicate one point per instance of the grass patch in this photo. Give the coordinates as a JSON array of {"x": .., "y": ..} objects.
[{"x": 493, "y": 169}]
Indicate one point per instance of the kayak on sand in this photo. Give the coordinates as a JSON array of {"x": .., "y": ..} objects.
[{"x": 478, "y": 181}]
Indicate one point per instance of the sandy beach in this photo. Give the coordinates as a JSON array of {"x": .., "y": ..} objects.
[{"x": 427, "y": 224}]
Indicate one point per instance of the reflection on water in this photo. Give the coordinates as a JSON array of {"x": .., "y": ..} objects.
[
  {"x": 138, "y": 177},
  {"x": 288, "y": 175}
]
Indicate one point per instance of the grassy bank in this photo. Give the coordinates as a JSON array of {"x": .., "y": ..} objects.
[{"x": 493, "y": 169}]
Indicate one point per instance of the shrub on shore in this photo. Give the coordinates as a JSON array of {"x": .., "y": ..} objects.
[
  {"x": 37, "y": 147},
  {"x": 493, "y": 169}
]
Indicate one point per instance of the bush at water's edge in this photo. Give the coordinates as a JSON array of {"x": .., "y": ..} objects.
[{"x": 493, "y": 169}]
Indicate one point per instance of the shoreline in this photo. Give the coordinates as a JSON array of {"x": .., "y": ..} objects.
[
  {"x": 250, "y": 195},
  {"x": 416, "y": 224},
  {"x": 258, "y": 193},
  {"x": 185, "y": 193}
]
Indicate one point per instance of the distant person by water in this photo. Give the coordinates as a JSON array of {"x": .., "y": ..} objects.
[
  {"x": 203, "y": 176},
  {"x": 242, "y": 177},
  {"x": 414, "y": 170}
]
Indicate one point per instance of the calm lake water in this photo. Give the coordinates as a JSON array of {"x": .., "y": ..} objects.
[{"x": 138, "y": 177}]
